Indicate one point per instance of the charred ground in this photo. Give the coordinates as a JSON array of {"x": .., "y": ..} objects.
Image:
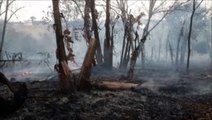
[{"x": 162, "y": 94}]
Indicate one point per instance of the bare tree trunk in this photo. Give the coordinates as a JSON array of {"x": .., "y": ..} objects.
[
  {"x": 167, "y": 46},
  {"x": 87, "y": 21},
  {"x": 145, "y": 31},
  {"x": 171, "y": 53},
  {"x": 124, "y": 8},
  {"x": 132, "y": 63},
  {"x": 178, "y": 46},
  {"x": 123, "y": 46},
  {"x": 143, "y": 55},
  {"x": 140, "y": 46},
  {"x": 152, "y": 54},
  {"x": 177, "y": 53},
  {"x": 96, "y": 33},
  {"x": 183, "y": 51},
  {"x": 159, "y": 50},
  {"x": 129, "y": 43},
  {"x": 65, "y": 75},
  {"x": 88, "y": 24},
  {"x": 4, "y": 30},
  {"x": 112, "y": 40},
  {"x": 211, "y": 52},
  {"x": 190, "y": 30},
  {"x": 189, "y": 35},
  {"x": 126, "y": 59},
  {"x": 107, "y": 43},
  {"x": 85, "y": 84}
]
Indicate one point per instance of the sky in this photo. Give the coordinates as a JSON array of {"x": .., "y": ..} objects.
[
  {"x": 31, "y": 8},
  {"x": 36, "y": 7}
]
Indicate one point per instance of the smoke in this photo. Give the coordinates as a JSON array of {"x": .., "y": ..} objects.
[
  {"x": 32, "y": 38},
  {"x": 172, "y": 83}
]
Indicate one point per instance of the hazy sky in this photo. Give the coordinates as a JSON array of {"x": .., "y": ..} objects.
[
  {"x": 35, "y": 8},
  {"x": 31, "y": 8}
]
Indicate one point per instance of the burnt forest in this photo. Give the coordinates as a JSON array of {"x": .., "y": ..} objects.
[{"x": 105, "y": 60}]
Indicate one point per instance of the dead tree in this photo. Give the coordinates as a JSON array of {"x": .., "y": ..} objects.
[
  {"x": 122, "y": 5},
  {"x": 146, "y": 31},
  {"x": 125, "y": 49},
  {"x": 87, "y": 21},
  {"x": 211, "y": 47},
  {"x": 108, "y": 51},
  {"x": 94, "y": 15},
  {"x": 171, "y": 52},
  {"x": 86, "y": 66},
  {"x": 65, "y": 75},
  {"x": 178, "y": 46},
  {"x": 129, "y": 39},
  {"x": 140, "y": 46},
  {"x": 194, "y": 7}
]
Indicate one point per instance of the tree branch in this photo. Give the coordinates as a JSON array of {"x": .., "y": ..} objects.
[
  {"x": 199, "y": 4},
  {"x": 8, "y": 6},
  {"x": 78, "y": 8},
  {"x": 13, "y": 13}
]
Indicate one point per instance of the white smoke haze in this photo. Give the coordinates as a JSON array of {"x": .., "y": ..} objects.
[
  {"x": 161, "y": 82},
  {"x": 32, "y": 37}
]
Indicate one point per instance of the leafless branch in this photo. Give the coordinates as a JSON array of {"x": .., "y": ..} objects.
[
  {"x": 11, "y": 2},
  {"x": 144, "y": 7},
  {"x": 172, "y": 8},
  {"x": 78, "y": 8},
  {"x": 13, "y": 13},
  {"x": 111, "y": 8},
  {"x": 199, "y": 4},
  {"x": 1, "y": 13},
  {"x": 161, "y": 4}
]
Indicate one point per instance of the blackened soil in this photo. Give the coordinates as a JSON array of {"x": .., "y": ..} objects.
[
  {"x": 45, "y": 103},
  {"x": 190, "y": 98}
]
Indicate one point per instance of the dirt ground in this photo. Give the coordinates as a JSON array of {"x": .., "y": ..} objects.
[{"x": 161, "y": 95}]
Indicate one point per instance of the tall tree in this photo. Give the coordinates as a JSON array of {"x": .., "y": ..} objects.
[
  {"x": 94, "y": 14},
  {"x": 210, "y": 36},
  {"x": 65, "y": 75},
  {"x": 87, "y": 21},
  {"x": 178, "y": 46},
  {"x": 194, "y": 7},
  {"x": 108, "y": 51},
  {"x": 123, "y": 6}
]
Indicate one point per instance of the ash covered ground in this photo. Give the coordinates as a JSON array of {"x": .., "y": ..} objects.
[{"x": 163, "y": 94}]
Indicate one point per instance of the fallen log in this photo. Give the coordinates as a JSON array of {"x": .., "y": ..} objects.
[{"x": 112, "y": 85}]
